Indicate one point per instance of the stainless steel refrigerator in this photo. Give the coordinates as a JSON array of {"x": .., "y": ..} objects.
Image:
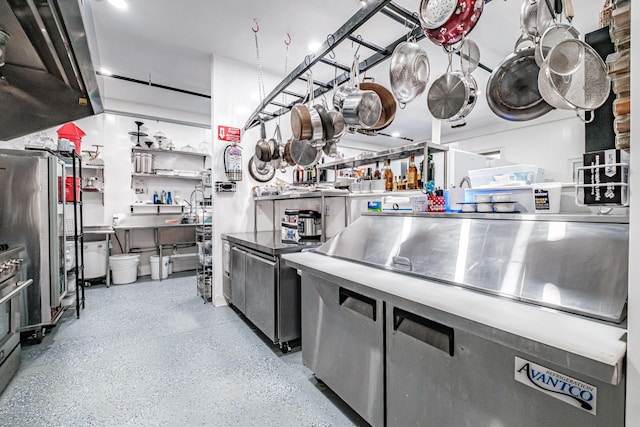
[{"x": 32, "y": 214}]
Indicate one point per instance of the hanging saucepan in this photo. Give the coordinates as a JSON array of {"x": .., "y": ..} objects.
[
  {"x": 327, "y": 122},
  {"x": 339, "y": 126},
  {"x": 286, "y": 155},
  {"x": 331, "y": 148},
  {"x": 275, "y": 144},
  {"x": 304, "y": 153},
  {"x": 388, "y": 112},
  {"x": 362, "y": 108},
  {"x": 574, "y": 77},
  {"x": 452, "y": 96},
  {"x": 408, "y": 72},
  {"x": 445, "y": 22},
  {"x": 529, "y": 17},
  {"x": 263, "y": 149},
  {"x": 512, "y": 90},
  {"x": 545, "y": 17},
  {"x": 301, "y": 125}
]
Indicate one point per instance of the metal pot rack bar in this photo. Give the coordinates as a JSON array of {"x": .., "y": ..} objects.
[{"x": 388, "y": 8}]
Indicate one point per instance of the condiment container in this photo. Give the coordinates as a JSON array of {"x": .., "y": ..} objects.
[
  {"x": 468, "y": 207},
  {"x": 485, "y": 207},
  {"x": 504, "y": 207},
  {"x": 622, "y": 124},
  {"x": 622, "y": 106},
  {"x": 501, "y": 197},
  {"x": 482, "y": 198}
]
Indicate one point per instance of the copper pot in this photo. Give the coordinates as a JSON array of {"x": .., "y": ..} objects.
[
  {"x": 388, "y": 104},
  {"x": 301, "y": 125}
]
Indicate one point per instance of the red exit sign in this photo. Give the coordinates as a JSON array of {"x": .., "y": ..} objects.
[{"x": 228, "y": 133}]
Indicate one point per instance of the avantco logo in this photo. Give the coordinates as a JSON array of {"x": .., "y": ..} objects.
[{"x": 555, "y": 384}]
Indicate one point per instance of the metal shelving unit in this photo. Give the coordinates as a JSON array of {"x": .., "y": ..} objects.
[
  {"x": 78, "y": 227},
  {"x": 204, "y": 241},
  {"x": 391, "y": 154}
]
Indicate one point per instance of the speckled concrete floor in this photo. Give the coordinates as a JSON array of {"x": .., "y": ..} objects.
[{"x": 151, "y": 354}]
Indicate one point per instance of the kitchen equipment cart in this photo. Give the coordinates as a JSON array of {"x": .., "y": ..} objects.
[{"x": 204, "y": 241}]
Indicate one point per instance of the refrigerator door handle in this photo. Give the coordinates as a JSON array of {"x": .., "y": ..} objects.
[
  {"x": 428, "y": 331},
  {"x": 357, "y": 302}
]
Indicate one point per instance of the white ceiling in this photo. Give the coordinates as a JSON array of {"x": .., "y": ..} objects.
[{"x": 171, "y": 43}]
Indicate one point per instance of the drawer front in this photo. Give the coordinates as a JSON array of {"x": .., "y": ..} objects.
[
  {"x": 342, "y": 343},
  {"x": 238, "y": 271},
  {"x": 438, "y": 376}
]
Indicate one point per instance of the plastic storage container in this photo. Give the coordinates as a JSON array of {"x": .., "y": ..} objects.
[
  {"x": 506, "y": 175},
  {"x": 154, "y": 260},
  {"x": 546, "y": 197},
  {"x": 95, "y": 259},
  {"x": 124, "y": 268}
]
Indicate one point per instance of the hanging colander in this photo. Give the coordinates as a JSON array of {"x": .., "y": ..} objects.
[{"x": 574, "y": 77}]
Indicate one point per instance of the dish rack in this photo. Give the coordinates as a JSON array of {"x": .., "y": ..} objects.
[
  {"x": 607, "y": 188},
  {"x": 203, "y": 204}
]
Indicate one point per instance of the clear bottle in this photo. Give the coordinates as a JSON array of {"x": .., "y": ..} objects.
[
  {"x": 387, "y": 174},
  {"x": 412, "y": 174},
  {"x": 163, "y": 197},
  {"x": 395, "y": 184}
]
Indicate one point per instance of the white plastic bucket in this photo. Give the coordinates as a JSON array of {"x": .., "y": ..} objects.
[
  {"x": 546, "y": 197},
  {"x": 95, "y": 259},
  {"x": 124, "y": 268},
  {"x": 153, "y": 261}
]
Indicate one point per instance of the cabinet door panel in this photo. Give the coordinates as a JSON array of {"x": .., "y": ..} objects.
[
  {"x": 238, "y": 271},
  {"x": 260, "y": 296}
]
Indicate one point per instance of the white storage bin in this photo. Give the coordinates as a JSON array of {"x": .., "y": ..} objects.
[
  {"x": 95, "y": 259},
  {"x": 164, "y": 273},
  {"x": 124, "y": 268},
  {"x": 506, "y": 175}
]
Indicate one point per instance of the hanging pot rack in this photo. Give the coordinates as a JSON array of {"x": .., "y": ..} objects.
[{"x": 325, "y": 55}]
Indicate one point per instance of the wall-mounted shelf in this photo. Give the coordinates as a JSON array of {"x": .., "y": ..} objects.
[
  {"x": 153, "y": 175},
  {"x": 391, "y": 154},
  {"x": 147, "y": 209},
  {"x": 168, "y": 152}
]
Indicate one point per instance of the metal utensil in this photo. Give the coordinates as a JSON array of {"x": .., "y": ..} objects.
[
  {"x": 445, "y": 22},
  {"x": 452, "y": 96},
  {"x": 303, "y": 153},
  {"x": 408, "y": 72},
  {"x": 389, "y": 106},
  {"x": 512, "y": 90},
  {"x": 469, "y": 56},
  {"x": 529, "y": 17},
  {"x": 263, "y": 151},
  {"x": 574, "y": 77}
]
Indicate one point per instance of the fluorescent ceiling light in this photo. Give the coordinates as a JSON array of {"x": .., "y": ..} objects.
[
  {"x": 120, "y": 4},
  {"x": 395, "y": 134},
  {"x": 105, "y": 72},
  {"x": 314, "y": 46}
]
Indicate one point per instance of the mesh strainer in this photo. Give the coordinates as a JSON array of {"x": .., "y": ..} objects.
[{"x": 574, "y": 77}]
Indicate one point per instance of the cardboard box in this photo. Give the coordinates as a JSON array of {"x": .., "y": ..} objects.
[{"x": 599, "y": 173}]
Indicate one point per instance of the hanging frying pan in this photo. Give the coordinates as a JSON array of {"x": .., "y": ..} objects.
[
  {"x": 261, "y": 174},
  {"x": 512, "y": 90}
]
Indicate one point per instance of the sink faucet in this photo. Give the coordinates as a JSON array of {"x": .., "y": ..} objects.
[{"x": 463, "y": 180}]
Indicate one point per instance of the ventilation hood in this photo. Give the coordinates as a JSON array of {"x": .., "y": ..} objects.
[{"x": 48, "y": 78}]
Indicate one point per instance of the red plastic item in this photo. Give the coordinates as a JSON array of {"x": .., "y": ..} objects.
[
  {"x": 459, "y": 24},
  {"x": 73, "y": 133},
  {"x": 68, "y": 189}
]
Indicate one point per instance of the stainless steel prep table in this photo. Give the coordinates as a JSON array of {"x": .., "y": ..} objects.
[
  {"x": 416, "y": 344},
  {"x": 163, "y": 234},
  {"x": 262, "y": 287}
]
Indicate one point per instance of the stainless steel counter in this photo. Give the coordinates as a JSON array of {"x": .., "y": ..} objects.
[
  {"x": 267, "y": 241},
  {"x": 609, "y": 219},
  {"x": 150, "y": 226}
]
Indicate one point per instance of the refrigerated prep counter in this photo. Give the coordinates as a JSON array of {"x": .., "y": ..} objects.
[
  {"x": 262, "y": 287},
  {"x": 453, "y": 320}
]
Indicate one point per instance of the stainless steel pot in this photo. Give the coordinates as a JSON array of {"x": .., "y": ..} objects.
[
  {"x": 408, "y": 72},
  {"x": 362, "y": 108},
  {"x": 529, "y": 17},
  {"x": 452, "y": 96},
  {"x": 339, "y": 126},
  {"x": 304, "y": 153},
  {"x": 327, "y": 122},
  {"x": 263, "y": 150}
]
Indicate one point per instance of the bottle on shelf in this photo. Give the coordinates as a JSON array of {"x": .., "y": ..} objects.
[
  {"x": 163, "y": 197},
  {"x": 387, "y": 175},
  {"x": 412, "y": 174},
  {"x": 376, "y": 173},
  {"x": 169, "y": 198},
  {"x": 156, "y": 199},
  {"x": 403, "y": 183},
  {"x": 395, "y": 184}
]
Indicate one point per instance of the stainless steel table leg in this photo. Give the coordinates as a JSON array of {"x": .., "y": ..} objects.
[
  {"x": 160, "y": 263},
  {"x": 108, "y": 278}
]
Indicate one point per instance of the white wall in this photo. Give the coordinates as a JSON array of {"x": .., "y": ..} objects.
[{"x": 551, "y": 143}]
